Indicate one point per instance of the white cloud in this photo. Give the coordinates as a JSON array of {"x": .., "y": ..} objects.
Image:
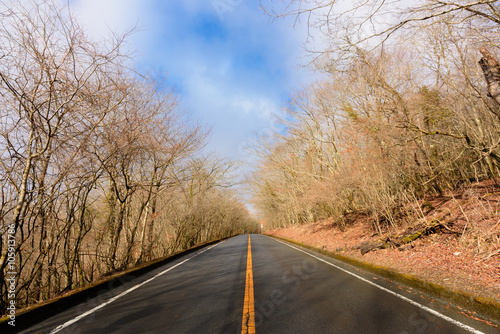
[
  {"x": 232, "y": 74},
  {"x": 100, "y": 17}
]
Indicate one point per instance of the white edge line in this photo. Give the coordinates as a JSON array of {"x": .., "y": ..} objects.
[
  {"x": 411, "y": 301},
  {"x": 83, "y": 315}
]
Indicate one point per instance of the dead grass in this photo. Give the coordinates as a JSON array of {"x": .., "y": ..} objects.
[{"x": 466, "y": 258}]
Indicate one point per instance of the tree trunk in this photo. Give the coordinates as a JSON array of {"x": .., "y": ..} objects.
[{"x": 491, "y": 71}]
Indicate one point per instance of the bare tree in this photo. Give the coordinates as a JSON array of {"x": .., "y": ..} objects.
[
  {"x": 47, "y": 74},
  {"x": 99, "y": 167},
  {"x": 491, "y": 71}
]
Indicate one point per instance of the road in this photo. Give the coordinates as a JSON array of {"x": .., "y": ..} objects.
[{"x": 269, "y": 287}]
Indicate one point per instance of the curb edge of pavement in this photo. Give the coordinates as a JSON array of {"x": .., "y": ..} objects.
[
  {"x": 30, "y": 316},
  {"x": 482, "y": 305}
]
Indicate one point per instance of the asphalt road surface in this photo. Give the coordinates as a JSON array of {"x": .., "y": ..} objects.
[{"x": 269, "y": 287}]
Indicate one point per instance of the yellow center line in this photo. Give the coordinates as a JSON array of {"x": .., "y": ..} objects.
[{"x": 248, "y": 326}]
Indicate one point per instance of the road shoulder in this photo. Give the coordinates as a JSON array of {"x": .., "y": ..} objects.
[{"x": 483, "y": 310}]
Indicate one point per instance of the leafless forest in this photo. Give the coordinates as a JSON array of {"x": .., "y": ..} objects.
[
  {"x": 99, "y": 167},
  {"x": 407, "y": 107}
]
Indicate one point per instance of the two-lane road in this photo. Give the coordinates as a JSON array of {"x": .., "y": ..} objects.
[{"x": 270, "y": 287}]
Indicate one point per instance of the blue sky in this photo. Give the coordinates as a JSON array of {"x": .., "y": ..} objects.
[{"x": 231, "y": 65}]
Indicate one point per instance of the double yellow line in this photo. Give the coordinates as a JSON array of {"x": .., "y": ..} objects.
[{"x": 248, "y": 326}]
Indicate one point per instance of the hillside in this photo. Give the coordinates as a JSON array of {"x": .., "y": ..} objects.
[{"x": 455, "y": 242}]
